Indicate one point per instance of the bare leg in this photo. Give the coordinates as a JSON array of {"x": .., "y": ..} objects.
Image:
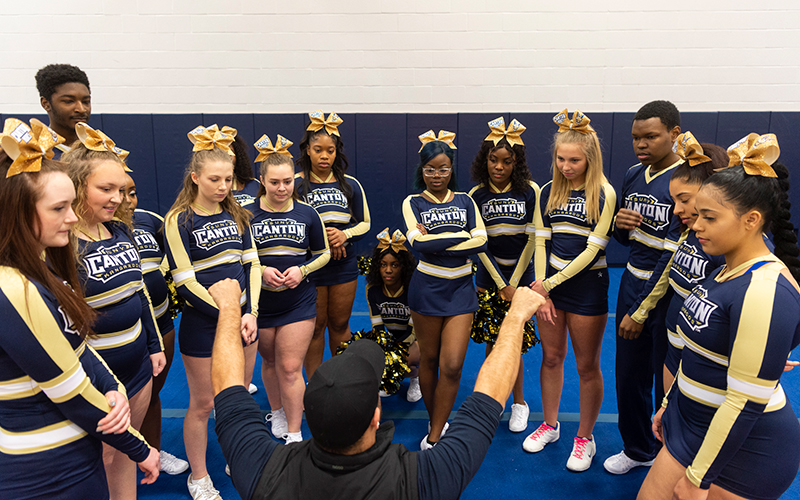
[
  {"x": 454, "y": 342},
  {"x": 121, "y": 470},
  {"x": 340, "y": 307},
  {"x": 195, "y": 423},
  {"x": 429, "y": 331},
  {"x": 266, "y": 347},
  {"x": 668, "y": 379},
  {"x": 413, "y": 359},
  {"x": 317, "y": 346},
  {"x": 291, "y": 344},
  {"x": 151, "y": 425},
  {"x": 249, "y": 362},
  {"x": 662, "y": 477},
  {"x": 586, "y": 333},
  {"x": 554, "y": 350}
]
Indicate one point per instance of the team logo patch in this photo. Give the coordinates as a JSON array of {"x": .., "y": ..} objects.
[
  {"x": 279, "y": 229},
  {"x": 216, "y": 233},
  {"x": 574, "y": 209},
  {"x": 321, "y": 197},
  {"x": 503, "y": 207},
  {"x": 655, "y": 215},
  {"x": 697, "y": 309},
  {"x": 144, "y": 240},
  {"x": 69, "y": 325},
  {"x": 439, "y": 217},
  {"x": 689, "y": 263},
  {"x": 107, "y": 263}
]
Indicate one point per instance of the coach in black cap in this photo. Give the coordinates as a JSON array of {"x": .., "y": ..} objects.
[{"x": 351, "y": 455}]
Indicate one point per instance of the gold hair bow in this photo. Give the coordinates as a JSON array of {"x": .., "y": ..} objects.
[
  {"x": 27, "y": 145},
  {"x": 396, "y": 241},
  {"x": 579, "y": 122},
  {"x": 756, "y": 153},
  {"x": 96, "y": 140},
  {"x": 690, "y": 150},
  {"x": 265, "y": 147},
  {"x": 205, "y": 138},
  {"x": 318, "y": 121},
  {"x": 512, "y": 134},
  {"x": 444, "y": 136}
]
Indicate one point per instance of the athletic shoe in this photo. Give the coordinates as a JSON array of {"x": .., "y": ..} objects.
[
  {"x": 252, "y": 389},
  {"x": 519, "y": 417},
  {"x": 202, "y": 489},
  {"x": 228, "y": 470},
  {"x": 173, "y": 465},
  {"x": 293, "y": 437},
  {"x": 278, "y": 425},
  {"x": 425, "y": 445},
  {"x": 414, "y": 393},
  {"x": 383, "y": 394},
  {"x": 622, "y": 464},
  {"x": 582, "y": 452},
  {"x": 444, "y": 429},
  {"x": 537, "y": 440}
]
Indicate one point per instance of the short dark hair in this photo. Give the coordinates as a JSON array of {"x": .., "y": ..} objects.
[
  {"x": 663, "y": 110},
  {"x": 51, "y": 76}
]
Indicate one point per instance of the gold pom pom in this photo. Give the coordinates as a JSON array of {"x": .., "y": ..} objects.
[
  {"x": 396, "y": 353},
  {"x": 492, "y": 310},
  {"x": 176, "y": 302}
]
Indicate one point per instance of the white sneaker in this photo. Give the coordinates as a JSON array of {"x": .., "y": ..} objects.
[
  {"x": 539, "y": 438},
  {"x": 583, "y": 451},
  {"x": 622, "y": 464},
  {"x": 173, "y": 465},
  {"x": 202, "y": 489},
  {"x": 383, "y": 394},
  {"x": 444, "y": 429},
  {"x": 293, "y": 437},
  {"x": 278, "y": 425},
  {"x": 252, "y": 389},
  {"x": 425, "y": 445},
  {"x": 519, "y": 417},
  {"x": 228, "y": 470},
  {"x": 414, "y": 393}
]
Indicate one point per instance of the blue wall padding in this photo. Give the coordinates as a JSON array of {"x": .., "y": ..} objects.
[{"x": 383, "y": 148}]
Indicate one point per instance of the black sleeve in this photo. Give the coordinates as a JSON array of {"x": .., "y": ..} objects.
[
  {"x": 444, "y": 471},
  {"x": 243, "y": 436}
]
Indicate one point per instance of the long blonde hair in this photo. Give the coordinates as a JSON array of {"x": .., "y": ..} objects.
[
  {"x": 81, "y": 162},
  {"x": 188, "y": 192},
  {"x": 595, "y": 179}
]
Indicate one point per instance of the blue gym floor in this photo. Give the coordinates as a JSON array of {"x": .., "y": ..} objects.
[{"x": 506, "y": 470}]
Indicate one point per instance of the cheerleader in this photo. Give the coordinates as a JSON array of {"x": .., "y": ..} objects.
[
  {"x": 208, "y": 239},
  {"x": 573, "y": 226},
  {"x": 445, "y": 228},
  {"x": 390, "y": 271},
  {"x": 727, "y": 426},
  {"x": 110, "y": 271},
  {"x": 292, "y": 244},
  {"x": 340, "y": 201},
  {"x": 245, "y": 186},
  {"x": 148, "y": 234},
  {"x": 53, "y": 412},
  {"x": 506, "y": 197}
]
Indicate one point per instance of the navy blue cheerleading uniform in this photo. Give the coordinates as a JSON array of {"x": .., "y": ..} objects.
[
  {"x": 508, "y": 218},
  {"x": 727, "y": 418},
  {"x": 111, "y": 274},
  {"x": 248, "y": 194},
  {"x": 332, "y": 206},
  {"x": 285, "y": 239},
  {"x": 391, "y": 312},
  {"x": 571, "y": 251},
  {"x": 640, "y": 360},
  {"x": 52, "y": 387},
  {"x": 442, "y": 285},
  {"x": 148, "y": 234},
  {"x": 204, "y": 249}
]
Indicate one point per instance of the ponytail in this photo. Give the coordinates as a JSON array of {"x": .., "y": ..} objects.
[{"x": 783, "y": 234}]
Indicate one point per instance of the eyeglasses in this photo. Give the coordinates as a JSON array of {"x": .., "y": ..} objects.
[{"x": 430, "y": 172}]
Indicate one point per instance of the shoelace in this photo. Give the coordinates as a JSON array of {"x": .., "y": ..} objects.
[
  {"x": 541, "y": 430},
  {"x": 580, "y": 447}
]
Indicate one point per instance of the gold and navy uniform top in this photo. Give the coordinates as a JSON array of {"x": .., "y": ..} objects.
[
  {"x": 455, "y": 231},
  {"x": 204, "y": 249},
  {"x": 52, "y": 387},
  {"x": 656, "y": 238},
  {"x": 332, "y": 206},
  {"x": 248, "y": 193},
  {"x": 292, "y": 238},
  {"x": 737, "y": 334},
  {"x": 111, "y": 274},
  {"x": 566, "y": 243},
  {"x": 148, "y": 234},
  {"x": 390, "y": 310},
  {"x": 508, "y": 218}
]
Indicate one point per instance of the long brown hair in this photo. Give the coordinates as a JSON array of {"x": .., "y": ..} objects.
[
  {"x": 274, "y": 160},
  {"x": 595, "y": 179},
  {"x": 19, "y": 224},
  {"x": 183, "y": 203}
]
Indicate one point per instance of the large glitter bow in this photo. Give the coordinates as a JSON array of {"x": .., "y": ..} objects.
[
  {"x": 265, "y": 147},
  {"x": 756, "y": 153},
  {"x": 205, "y": 138},
  {"x": 27, "y": 145},
  {"x": 512, "y": 134},
  {"x": 396, "y": 241},
  {"x": 579, "y": 122},
  {"x": 444, "y": 136},
  {"x": 318, "y": 121},
  {"x": 690, "y": 150},
  {"x": 96, "y": 140}
]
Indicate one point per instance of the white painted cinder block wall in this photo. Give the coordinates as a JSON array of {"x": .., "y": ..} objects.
[{"x": 267, "y": 56}]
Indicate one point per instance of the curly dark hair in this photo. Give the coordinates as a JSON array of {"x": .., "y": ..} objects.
[
  {"x": 242, "y": 166},
  {"x": 520, "y": 176},
  {"x": 51, "y": 76},
  {"x": 407, "y": 265},
  {"x": 338, "y": 168}
]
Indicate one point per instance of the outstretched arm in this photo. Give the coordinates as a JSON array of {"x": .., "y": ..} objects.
[{"x": 227, "y": 356}]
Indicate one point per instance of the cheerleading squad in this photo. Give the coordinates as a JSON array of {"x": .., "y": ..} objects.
[{"x": 708, "y": 304}]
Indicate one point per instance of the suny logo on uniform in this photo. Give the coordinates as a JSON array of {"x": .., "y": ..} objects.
[
  {"x": 216, "y": 233},
  {"x": 503, "y": 207},
  {"x": 655, "y": 215},
  {"x": 438, "y": 217},
  {"x": 689, "y": 264},
  {"x": 106, "y": 263},
  {"x": 279, "y": 229},
  {"x": 697, "y": 309}
]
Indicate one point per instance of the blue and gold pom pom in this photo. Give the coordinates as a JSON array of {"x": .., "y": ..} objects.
[{"x": 492, "y": 310}]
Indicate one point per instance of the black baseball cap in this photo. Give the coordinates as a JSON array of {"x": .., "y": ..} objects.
[{"x": 342, "y": 395}]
